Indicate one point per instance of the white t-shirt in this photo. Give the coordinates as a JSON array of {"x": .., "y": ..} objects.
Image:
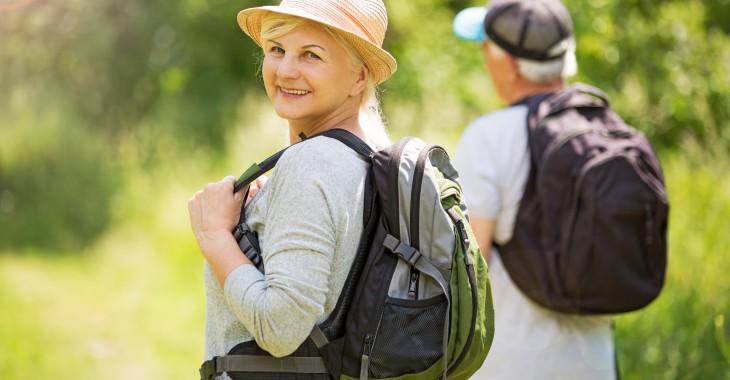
[{"x": 530, "y": 341}]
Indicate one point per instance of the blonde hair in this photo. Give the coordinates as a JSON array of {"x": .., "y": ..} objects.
[
  {"x": 560, "y": 68},
  {"x": 370, "y": 117}
]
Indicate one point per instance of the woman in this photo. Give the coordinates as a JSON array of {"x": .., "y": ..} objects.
[{"x": 322, "y": 61}]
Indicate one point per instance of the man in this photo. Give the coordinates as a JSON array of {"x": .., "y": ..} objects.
[{"x": 529, "y": 49}]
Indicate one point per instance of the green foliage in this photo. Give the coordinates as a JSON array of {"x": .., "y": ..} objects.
[
  {"x": 81, "y": 78},
  {"x": 441, "y": 83},
  {"x": 56, "y": 184},
  {"x": 113, "y": 113},
  {"x": 114, "y": 63},
  {"x": 170, "y": 77},
  {"x": 663, "y": 63}
]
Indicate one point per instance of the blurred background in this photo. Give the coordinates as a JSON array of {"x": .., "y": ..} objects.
[{"x": 113, "y": 113}]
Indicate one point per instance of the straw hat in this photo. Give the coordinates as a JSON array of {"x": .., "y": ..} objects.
[{"x": 361, "y": 22}]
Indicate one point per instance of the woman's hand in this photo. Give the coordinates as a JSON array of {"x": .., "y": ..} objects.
[{"x": 214, "y": 211}]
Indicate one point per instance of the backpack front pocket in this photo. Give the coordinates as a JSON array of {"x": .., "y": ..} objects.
[{"x": 417, "y": 350}]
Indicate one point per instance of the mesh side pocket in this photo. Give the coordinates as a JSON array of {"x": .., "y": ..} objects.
[{"x": 409, "y": 337}]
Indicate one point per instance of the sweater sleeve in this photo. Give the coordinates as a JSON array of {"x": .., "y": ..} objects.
[{"x": 308, "y": 198}]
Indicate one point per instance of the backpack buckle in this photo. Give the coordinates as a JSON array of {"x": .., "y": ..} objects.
[
  {"x": 403, "y": 250},
  {"x": 207, "y": 369}
]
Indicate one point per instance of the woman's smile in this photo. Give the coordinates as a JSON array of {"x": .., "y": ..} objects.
[{"x": 292, "y": 91}]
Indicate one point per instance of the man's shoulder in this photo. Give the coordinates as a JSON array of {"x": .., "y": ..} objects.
[
  {"x": 516, "y": 114},
  {"x": 499, "y": 121}
]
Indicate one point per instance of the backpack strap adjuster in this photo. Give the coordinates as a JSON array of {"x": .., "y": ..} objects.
[
  {"x": 403, "y": 250},
  {"x": 208, "y": 370}
]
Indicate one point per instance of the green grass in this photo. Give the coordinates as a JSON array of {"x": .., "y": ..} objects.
[
  {"x": 132, "y": 308},
  {"x": 132, "y": 305}
]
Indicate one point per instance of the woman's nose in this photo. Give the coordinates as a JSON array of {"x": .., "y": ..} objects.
[{"x": 288, "y": 68}]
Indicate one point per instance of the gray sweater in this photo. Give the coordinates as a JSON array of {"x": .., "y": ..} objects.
[{"x": 308, "y": 218}]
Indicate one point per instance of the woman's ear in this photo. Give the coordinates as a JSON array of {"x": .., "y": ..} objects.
[{"x": 362, "y": 81}]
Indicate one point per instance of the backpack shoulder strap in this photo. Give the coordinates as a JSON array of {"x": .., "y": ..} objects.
[
  {"x": 535, "y": 104},
  {"x": 350, "y": 140},
  {"x": 256, "y": 170}
]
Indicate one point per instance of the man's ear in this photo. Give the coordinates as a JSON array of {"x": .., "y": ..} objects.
[{"x": 362, "y": 81}]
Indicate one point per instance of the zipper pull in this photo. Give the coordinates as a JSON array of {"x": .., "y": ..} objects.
[
  {"x": 413, "y": 284},
  {"x": 463, "y": 234},
  {"x": 365, "y": 361},
  {"x": 465, "y": 241},
  {"x": 461, "y": 230}
]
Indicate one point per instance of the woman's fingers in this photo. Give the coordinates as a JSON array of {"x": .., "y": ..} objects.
[
  {"x": 256, "y": 187},
  {"x": 261, "y": 181},
  {"x": 215, "y": 207}
]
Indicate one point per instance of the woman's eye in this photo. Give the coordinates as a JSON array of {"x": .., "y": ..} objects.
[
  {"x": 276, "y": 49},
  {"x": 312, "y": 55}
]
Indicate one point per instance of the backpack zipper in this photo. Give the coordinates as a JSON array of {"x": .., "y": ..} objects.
[
  {"x": 414, "y": 236},
  {"x": 600, "y": 159},
  {"x": 368, "y": 348},
  {"x": 557, "y": 144},
  {"x": 464, "y": 240},
  {"x": 650, "y": 180},
  {"x": 374, "y": 325},
  {"x": 648, "y": 225},
  {"x": 365, "y": 361},
  {"x": 418, "y": 173}
]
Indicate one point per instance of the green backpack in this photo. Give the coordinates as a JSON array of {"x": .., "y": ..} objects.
[{"x": 417, "y": 301}]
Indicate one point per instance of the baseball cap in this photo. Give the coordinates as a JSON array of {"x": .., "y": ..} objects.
[{"x": 538, "y": 30}]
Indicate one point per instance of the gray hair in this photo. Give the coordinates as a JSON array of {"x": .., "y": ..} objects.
[{"x": 560, "y": 68}]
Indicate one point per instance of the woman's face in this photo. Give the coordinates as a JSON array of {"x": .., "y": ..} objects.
[{"x": 309, "y": 77}]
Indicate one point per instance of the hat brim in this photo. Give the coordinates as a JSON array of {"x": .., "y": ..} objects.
[
  {"x": 469, "y": 24},
  {"x": 379, "y": 62}
]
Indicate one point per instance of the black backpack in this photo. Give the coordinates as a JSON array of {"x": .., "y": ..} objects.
[
  {"x": 590, "y": 234},
  {"x": 416, "y": 302}
]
